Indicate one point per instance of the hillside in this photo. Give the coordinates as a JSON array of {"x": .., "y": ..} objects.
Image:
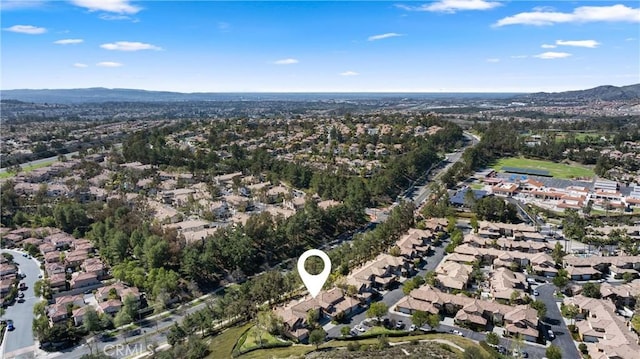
[
  {"x": 605, "y": 93},
  {"x": 419, "y": 351}
]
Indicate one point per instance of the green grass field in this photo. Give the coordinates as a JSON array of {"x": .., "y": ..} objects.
[
  {"x": 594, "y": 136},
  {"x": 557, "y": 170},
  {"x": 222, "y": 344},
  {"x": 27, "y": 169},
  {"x": 253, "y": 342}
]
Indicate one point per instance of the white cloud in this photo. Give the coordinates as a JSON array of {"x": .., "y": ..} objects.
[
  {"x": 493, "y": 60},
  {"x": 68, "y": 41},
  {"x": 613, "y": 13},
  {"x": 114, "y": 17},
  {"x": 349, "y": 73},
  {"x": 519, "y": 56},
  {"x": 383, "y": 36},
  {"x": 80, "y": 65},
  {"x": 129, "y": 46},
  {"x": 630, "y": 39},
  {"x": 579, "y": 43},
  {"x": 452, "y": 6},
  {"x": 552, "y": 55},
  {"x": 19, "y": 4},
  {"x": 26, "y": 29},
  {"x": 117, "y": 6},
  {"x": 286, "y": 62},
  {"x": 109, "y": 64},
  {"x": 548, "y": 46}
]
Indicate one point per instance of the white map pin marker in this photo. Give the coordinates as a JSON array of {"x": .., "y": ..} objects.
[{"x": 314, "y": 283}]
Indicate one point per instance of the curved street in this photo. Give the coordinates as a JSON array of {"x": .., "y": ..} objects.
[{"x": 21, "y": 339}]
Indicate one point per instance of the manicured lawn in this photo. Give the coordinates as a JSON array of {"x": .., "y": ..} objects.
[
  {"x": 560, "y": 137},
  {"x": 222, "y": 344},
  {"x": 252, "y": 341},
  {"x": 477, "y": 186},
  {"x": 557, "y": 170}
]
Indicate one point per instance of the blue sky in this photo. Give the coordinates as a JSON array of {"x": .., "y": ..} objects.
[{"x": 304, "y": 46}]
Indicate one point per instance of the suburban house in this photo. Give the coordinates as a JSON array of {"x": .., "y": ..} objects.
[
  {"x": 120, "y": 289},
  {"x": 604, "y": 332},
  {"x": 82, "y": 279},
  {"x": 453, "y": 275},
  {"x": 111, "y": 307},
  {"x": 519, "y": 319}
]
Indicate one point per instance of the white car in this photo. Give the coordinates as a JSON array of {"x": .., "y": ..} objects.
[
  {"x": 413, "y": 328},
  {"x": 536, "y": 293},
  {"x": 360, "y": 329}
]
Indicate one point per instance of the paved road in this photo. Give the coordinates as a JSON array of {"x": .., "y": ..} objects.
[
  {"x": 22, "y": 313},
  {"x": 40, "y": 161},
  {"x": 422, "y": 192},
  {"x": 555, "y": 321}
]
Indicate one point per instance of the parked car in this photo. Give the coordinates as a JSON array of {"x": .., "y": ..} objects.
[
  {"x": 413, "y": 328},
  {"x": 10, "y": 326},
  {"x": 21, "y": 295},
  {"x": 502, "y": 350},
  {"x": 457, "y": 332},
  {"x": 536, "y": 293},
  {"x": 551, "y": 334},
  {"x": 23, "y": 286},
  {"x": 399, "y": 324}
]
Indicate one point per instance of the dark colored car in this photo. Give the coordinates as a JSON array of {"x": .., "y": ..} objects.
[{"x": 10, "y": 326}]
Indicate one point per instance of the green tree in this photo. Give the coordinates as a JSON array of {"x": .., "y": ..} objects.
[
  {"x": 313, "y": 315},
  {"x": 553, "y": 352},
  {"x": 558, "y": 253},
  {"x": 493, "y": 338},
  {"x": 122, "y": 318},
  {"x": 317, "y": 336},
  {"x": 628, "y": 277},
  {"x": 540, "y": 307},
  {"x": 562, "y": 279},
  {"x": 345, "y": 331},
  {"x": 377, "y": 310},
  {"x": 419, "y": 318},
  {"x": 433, "y": 320},
  {"x": 591, "y": 290},
  {"x": 570, "y": 311},
  {"x": 176, "y": 335},
  {"x": 91, "y": 320},
  {"x": 474, "y": 223}
]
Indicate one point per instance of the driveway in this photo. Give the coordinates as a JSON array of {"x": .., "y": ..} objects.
[
  {"x": 555, "y": 321},
  {"x": 22, "y": 313}
]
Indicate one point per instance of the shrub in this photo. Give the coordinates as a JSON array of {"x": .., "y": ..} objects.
[
  {"x": 583, "y": 348},
  {"x": 353, "y": 346}
]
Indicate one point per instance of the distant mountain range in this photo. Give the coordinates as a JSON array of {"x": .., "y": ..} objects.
[
  {"x": 605, "y": 93},
  {"x": 100, "y": 94}
]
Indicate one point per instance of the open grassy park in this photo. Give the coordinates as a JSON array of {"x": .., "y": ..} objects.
[{"x": 557, "y": 170}]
